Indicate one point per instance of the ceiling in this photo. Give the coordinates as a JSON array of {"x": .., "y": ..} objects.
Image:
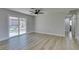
[{"x": 45, "y": 10}]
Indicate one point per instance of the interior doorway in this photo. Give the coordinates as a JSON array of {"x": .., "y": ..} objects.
[{"x": 70, "y": 26}]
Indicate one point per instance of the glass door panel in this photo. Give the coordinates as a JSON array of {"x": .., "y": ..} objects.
[
  {"x": 22, "y": 25},
  {"x": 13, "y": 26},
  {"x": 17, "y": 26}
]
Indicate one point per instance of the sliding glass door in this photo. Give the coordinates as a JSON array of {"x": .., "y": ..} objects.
[
  {"x": 13, "y": 26},
  {"x": 22, "y": 25},
  {"x": 17, "y": 26}
]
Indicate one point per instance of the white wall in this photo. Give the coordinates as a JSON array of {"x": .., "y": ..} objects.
[
  {"x": 77, "y": 30},
  {"x": 50, "y": 23},
  {"x": 4, "y": 13},
  {"x": 31, "y": 24}
]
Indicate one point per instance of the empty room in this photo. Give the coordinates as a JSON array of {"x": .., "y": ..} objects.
[{"x": 39, "y": 29}]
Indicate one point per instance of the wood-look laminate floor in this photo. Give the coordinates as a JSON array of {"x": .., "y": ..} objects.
[{"x": 36, "y": 41}]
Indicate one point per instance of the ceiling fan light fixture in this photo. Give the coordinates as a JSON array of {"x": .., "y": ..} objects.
[{"x": 36, "y": 11}]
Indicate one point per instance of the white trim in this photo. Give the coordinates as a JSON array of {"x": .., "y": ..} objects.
[
  {"x": 30, "y": 32},
  {"x": 47, "y": 33},
  {"x": 51, "y": 34}
]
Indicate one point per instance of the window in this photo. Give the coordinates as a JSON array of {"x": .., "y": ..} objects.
[{"x": 17, "y": 26}]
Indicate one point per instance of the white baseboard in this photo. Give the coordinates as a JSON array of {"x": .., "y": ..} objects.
[
  {"x": 30, "y": 32},
  {"x": 51, "y": 34}
]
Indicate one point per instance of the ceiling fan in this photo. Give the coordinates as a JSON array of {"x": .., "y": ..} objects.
[{"x": 36, "y": 11}]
